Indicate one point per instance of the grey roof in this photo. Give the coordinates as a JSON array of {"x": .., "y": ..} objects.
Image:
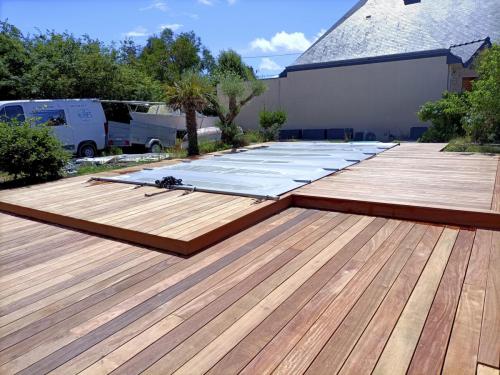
[
  {"x": 467, "y": 51},
  {"x": 389, "y": 27}
]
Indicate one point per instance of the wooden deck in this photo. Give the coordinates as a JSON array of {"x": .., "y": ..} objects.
[
  {"x": 304, "y": 291},
  {"x": 169, "y": 220},
  {"x": 419, "y": 175},
  {"x": 411, "y": 181}
]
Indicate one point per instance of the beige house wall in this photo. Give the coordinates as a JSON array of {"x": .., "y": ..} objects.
[
  {"x": 382, "y": 98},
  {"x": 457, "y": 73}
]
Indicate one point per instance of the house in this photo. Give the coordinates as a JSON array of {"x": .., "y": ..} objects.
[{"x": 373, "y": 69}]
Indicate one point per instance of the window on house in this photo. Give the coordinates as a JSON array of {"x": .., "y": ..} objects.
[
  {"x": 52, "y": 117},
  {"x": 467, "y": 83},
  {"x": 408, "y": 2},
  {"x": 12, "y": 112}
]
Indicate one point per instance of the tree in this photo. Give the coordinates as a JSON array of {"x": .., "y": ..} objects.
[
  {"x": 482, "y": 122},
  {"x": 237, "y": 86},
  {"x": 167, "y": 56},
  {"x": 14, "y": 61},
  {"x": 190, "y": 94},
  {"x": 51, "y": 65},
  {"x": 270, "y": 123}
]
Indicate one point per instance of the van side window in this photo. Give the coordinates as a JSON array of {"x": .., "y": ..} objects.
[
  {"x": 12, "y": 112},
  {"x": 52, "y": 117}
]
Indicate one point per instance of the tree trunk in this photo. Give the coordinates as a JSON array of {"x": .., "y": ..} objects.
[
  {"x": 192, "y": 131},
  {"x": 233, "y": 110}
]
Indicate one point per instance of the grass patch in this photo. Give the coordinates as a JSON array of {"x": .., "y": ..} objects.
[
  {"x": 465, "y": 145},
  {"x": 89, "y": 169},
  {"x": 208, "y": 147}
]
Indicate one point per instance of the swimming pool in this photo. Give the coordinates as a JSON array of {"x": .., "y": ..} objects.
[{"x": 263, "y": 172}]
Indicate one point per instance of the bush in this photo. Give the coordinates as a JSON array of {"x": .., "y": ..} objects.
[
  {"x": 113, "y": 150},
  {"x": 465, "y": 144},
  {"x": 446, "y": 117},
  {"x": 208, "y": 147},
  {"x": 254, "y": 136},
  {"x": 31, "y": 152},
  {"x": 271, "y": 123},
  {"x": 482, "y": 122},
  {"x": 232, "y": 134}
]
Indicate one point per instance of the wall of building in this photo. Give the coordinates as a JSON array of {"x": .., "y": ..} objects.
[
  {"x": 457, "y": 73},
  {"x": 382, "y": 98}
]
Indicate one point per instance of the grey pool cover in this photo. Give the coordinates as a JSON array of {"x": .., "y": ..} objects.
[{"x": 265, "y": 172}]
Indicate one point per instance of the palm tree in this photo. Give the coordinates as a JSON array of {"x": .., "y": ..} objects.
[{"x": 190, "y": 94}]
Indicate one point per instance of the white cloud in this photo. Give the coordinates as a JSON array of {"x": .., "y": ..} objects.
[
  {"x": 138, "y": 32},
  {"x": 206, "y": 2},
  {"x": 269, "y": 65},
  {"x": 172, "y": 26},
  {"x": 290, "y": 42},
  {"x": 231, "y": 2},
  {"x": 287, "y": 42},
  {"x": 157, "y": 5}
]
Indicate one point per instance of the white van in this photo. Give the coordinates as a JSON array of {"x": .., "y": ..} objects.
[{"x": 80, "y": 124}]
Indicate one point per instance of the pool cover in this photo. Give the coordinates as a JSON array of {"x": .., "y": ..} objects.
[{"x": 264, "y": 172}]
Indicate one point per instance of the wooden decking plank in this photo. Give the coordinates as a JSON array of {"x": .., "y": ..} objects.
[
  {"x": 213, "y": 352},
  {"x": 263, "y": 289},
  {"x": 29, "y": 297},
  {"x": 495, "y": 201},
  {"x": 431, "y": 348},
  {"x": 243, "y": 353},
  {"x": 426, "y": 178},
  {"x": 161, "y": 313},
  {"x": 35, "y": 322},
  {"x": 44, "y": 271},
  {"x": 308, "y": 230},
  {"x": 272, "y": 354},
  {"x": 462, "y": 353},
  {"x": 48, "y": 253},
  {"x": 332, "y": 356},
  {"x": 399, "y": 349},
  {"x": 365, "y": 354},
  {"x": 68, "y": 347},
  {"x": 44, "y": 277},
  {"x": 181, "y": 330},
  {"x": 186, "y": 328},
  {"x": 182, "y": 353},
  {"x": 308, "y": 347},
  {"x": 486, "y": 370},
  {"x": 489, "y": 344}
]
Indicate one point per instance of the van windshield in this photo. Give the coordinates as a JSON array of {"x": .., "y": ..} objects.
[{"x": 12, "y": 112}]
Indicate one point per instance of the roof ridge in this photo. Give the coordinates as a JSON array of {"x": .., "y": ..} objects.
[{"x": 471, "y": 42}]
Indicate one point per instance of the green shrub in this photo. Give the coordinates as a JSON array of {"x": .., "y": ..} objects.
[
  {"x": 446, "y": 117},
  {"x": 482, "y": 122},
  {"x": 254, "y": 136},
  {"x": 271, "y": 122},
  {"x": 113, "y": 150},
  {"x": 231, "y": 134},
  {"x": 208, "y": 147},
  {"x": 465, "y": 144},
  {"x": 31, "y": 152}
]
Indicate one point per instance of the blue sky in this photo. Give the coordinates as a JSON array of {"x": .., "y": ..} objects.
[{"x": 251, "y": 27}]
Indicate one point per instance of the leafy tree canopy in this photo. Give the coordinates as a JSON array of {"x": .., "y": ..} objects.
[{"x": 59, "y": 65}]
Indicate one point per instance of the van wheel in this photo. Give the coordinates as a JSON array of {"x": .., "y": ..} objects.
[
  {"x": 155, "y": 148},
  {"x": 87, "y": 151}
]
